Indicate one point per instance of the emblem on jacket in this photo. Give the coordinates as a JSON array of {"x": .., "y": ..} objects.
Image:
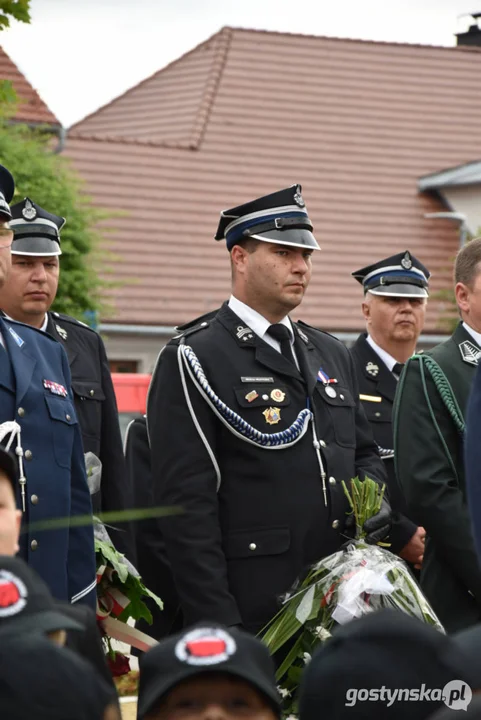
[
  {"x": 61, "y": 331},
  {"x": 469, "y": 352},
  {"x": 244, "y": 333},
  {"x": 272, "y": 415},
  {"x": 252, "y": 395},
  {"x": 372, "y": 369},
  {"x": 16, "y": 337},
  {"x": 277, "y": 395},
  {"x": 302, "y": 335},
  {"x": 55, "y": 388}
]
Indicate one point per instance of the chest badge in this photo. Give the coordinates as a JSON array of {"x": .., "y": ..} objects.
[
  {"x": 251, "y": 396},
  {"x": 61, "y": 331},
  {"x": 277, "y": 395},
  {"x": 330, "y": 391},
  {"x": 272, "y": 415},
  {"x": 372, "y": 369},
  {"x": 55, "y": 388}
]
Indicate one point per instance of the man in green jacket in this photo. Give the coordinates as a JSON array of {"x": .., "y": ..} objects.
[{"x": 429, "y": 410}]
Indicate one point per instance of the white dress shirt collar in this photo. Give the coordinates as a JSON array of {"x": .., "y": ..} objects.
[
  {"x": 387, "y": 359},
  {"x": 257, "y": 322},
  {"x": 475, "y": 335}
]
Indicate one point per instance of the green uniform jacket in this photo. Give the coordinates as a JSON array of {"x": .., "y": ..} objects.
[{"x": 430, "y": 469}]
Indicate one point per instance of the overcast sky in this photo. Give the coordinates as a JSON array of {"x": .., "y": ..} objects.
[{"x": 79, "y": 54}]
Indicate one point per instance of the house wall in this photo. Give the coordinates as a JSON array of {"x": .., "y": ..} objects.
[{"x": 467, "y": 200}]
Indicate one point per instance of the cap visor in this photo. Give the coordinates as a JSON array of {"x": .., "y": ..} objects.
[
  {"x": 400, "y": 290},
  {"x": 158, "y": 693},
  {"x": 294, "y": 238}
]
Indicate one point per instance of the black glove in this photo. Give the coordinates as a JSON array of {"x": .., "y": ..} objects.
[{"x": 378, "y": 526}]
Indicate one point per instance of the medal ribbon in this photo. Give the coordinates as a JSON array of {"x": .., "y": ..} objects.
[{"x": 324, "y": 377}]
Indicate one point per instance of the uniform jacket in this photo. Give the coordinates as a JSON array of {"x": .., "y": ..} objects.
[
  {"x": 254, "y": 518},
  {"x": 473, "y": 458},
  {"x": 152, "y": 562},
  {"x": 431, "y": 473},
  {"x": 376, "y": 382},
  {"x": 31, "y": 372},
  {"x": 97, "y": 413}
]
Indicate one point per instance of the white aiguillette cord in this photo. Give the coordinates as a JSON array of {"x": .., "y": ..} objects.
[{"x": 13, "y": 429}]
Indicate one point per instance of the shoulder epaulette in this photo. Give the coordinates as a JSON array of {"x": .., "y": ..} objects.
[{"x": 200, "y": 323}]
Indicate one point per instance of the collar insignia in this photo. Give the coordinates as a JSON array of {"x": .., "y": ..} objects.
[
  {"x": 16, "y": 337},
  {"x": 302, "y": 335},
  {"x": 372, "y": 369},
  {"x": 469, "y": 352},
  {"x": 244, "y": 333},
  {"x": 61, "y": 331}
]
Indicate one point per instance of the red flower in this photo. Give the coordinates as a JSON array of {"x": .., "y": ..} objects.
[{"x": 119, "y": 665}]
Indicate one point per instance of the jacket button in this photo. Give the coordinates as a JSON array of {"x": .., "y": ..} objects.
[
  {"x": 34, "y": 499},
  {"x": 34, "y": 545},
  {"x": 342, "y": 397},
  {"x": 335, "y": 524},
  {"x": 92, "y": 393},
  {"x": 28, "y": 455},
  {"x": 252, "y": 546},
  {"x": 21, "y": 412},
  {"x": 332, "y": 481},
  {"x": 322, "y": 443},
  {"x": 67, "y": 417},
  {"x": 378, "y": 414}
]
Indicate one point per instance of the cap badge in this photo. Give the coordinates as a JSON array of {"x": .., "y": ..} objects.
[
  {"x": 13, "y": 594},
  {"x": 205, "y": 646},
  {"x": 29, "y": 212},
  {"x": 406, "y": 262},
  {"x": 298, "y": 199},
  {"x": 470, "y": 353},
  {"x": 251, "y": 396},
  {"x": 61, "y": 331},
  {"x": 272, "y": 415},
  {"x": 277, "y": 395},
  {"x": 372, "y": 369}
]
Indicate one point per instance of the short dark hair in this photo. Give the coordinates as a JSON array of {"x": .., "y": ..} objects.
[
  {"x": 467, "y": 262},
  {"x": 250, "y": 244}
]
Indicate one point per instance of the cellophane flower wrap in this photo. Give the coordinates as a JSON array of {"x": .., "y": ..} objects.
[{"x": 356, "y": 580}]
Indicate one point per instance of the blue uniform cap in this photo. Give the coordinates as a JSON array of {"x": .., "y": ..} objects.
[
  {"x": 280, "y": 218},
  {"x": 400, "y": 275}
]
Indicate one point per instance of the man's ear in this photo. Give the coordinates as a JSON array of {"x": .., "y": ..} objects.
[
  {"x": 366, "y": 310},
  {"x": 461, "y": 292},
  {"x": 238, "y": 256}
]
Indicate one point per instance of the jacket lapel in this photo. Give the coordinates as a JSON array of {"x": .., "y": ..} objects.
[
  {"x": 61, "y": 337},
  {"x": 23, "y": 362}
]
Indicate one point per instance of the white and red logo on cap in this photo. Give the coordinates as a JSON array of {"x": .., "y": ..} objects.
[
  {"x": 13, "y": 594},
  {"x": 205, "y": 646}
]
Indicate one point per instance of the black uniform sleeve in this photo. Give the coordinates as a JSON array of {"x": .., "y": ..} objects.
[
  {"x": 426, "y": 462},
  {"x": 183, "y": 474},
  {"x": 116, "y": 489}
]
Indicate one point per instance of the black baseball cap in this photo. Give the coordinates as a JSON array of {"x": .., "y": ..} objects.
[
  {"x": 205, "y": 648},
  {"x": 383, "y": 651},
  {"x": 9, "y": 466},
  {"x": 26, "y": 604}
]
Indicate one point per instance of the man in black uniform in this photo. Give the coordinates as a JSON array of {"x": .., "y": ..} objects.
[
  {"x": 394, "y": 307},
  {"x": 26, "y": 297},
  {"x": 254, "y": 421}
]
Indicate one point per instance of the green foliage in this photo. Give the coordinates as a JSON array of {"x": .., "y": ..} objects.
[
  {"x": 16, "y": 9},
  {"x": 48, "y": 180}
]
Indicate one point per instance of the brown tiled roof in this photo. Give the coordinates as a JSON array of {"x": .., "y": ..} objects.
[
  {"x": 248, "y": 112},
  {"x": 31, "y": 108}
]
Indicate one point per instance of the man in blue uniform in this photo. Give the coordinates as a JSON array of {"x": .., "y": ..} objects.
[
  {"x": 38, "y": 422},
  {"x": 27, "y": 297}
]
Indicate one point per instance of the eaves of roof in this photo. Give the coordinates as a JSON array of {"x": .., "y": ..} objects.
[{"x": 466, "y": 174}]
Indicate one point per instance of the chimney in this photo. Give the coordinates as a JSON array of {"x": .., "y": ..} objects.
[{"x": 473, "y": 35}]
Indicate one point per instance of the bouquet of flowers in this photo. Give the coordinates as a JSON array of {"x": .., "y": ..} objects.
[
  {"x": 354, "y": 581},
  {"x": 120, "y": 590}
]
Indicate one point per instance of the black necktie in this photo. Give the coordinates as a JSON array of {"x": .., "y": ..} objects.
[
  {"x": 283, "y": 336},
  {"x": 398, "y": 368}
]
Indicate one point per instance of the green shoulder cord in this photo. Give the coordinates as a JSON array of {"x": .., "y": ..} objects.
[{"x": 443, "y": 386}]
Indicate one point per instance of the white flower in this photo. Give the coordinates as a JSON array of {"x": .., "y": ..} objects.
[
  {"x": 306, "y": 657},
  {"x": 292, "y": 717},
  {"x": 283, "y": 692},
  {"x": 322, "y": 633}
]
